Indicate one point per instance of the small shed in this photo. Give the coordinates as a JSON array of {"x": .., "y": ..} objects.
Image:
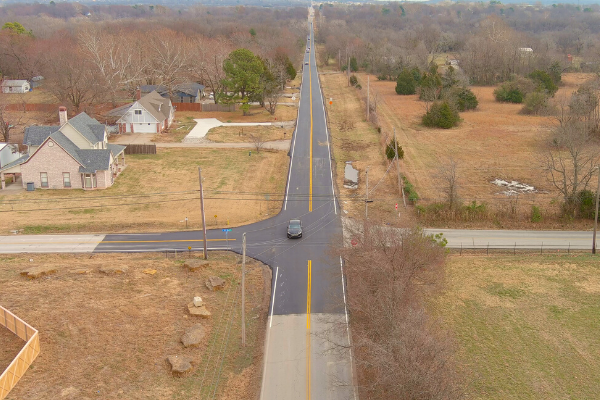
[{"x": 15, "y": 86}]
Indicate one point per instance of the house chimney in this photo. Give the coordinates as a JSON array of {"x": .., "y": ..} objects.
[
  {"x": 138, "y": 94},
  {"x": 62, "y": 115}
]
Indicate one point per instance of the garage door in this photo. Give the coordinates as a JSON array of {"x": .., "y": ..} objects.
[{"x": 144, "y": 128}]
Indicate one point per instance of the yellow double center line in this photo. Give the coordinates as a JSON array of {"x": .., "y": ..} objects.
[
  {"x": 310, "y": 189},
  {"x": 308, "y": 351}
]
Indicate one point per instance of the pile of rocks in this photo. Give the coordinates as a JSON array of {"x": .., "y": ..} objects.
[{"x": 197, "y": 308}]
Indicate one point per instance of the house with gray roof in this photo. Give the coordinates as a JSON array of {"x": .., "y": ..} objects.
[
  {"x": 187, "y": 92},
  {"x": 15, "y": 86},
  {"x": 151, "y": 113},
  {"x": 72, "y": 155}
]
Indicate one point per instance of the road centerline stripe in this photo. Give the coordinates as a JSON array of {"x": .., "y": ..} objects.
[{"x": 308, "y": 344}]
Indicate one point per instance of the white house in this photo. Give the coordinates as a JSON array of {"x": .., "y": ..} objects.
[
  {"x": 15, "y": 86},
  {"x": 149, "y": 114},
  {"x": 8, "y": 153}
]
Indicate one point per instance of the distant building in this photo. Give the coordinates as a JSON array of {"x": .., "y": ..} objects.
[
  {"x": 15, "y": 86},
  {"x": 526, "y": 50},
  {"x": 189, "y": 92}
]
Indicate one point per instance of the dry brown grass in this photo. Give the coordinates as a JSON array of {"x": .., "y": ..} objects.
[
  {"x": 36, "y": 96},
  {"x": 238, "y": 134},
  {"x": 171, "y": 170},
  {"x": 494, "y": 141},
  {"x": 257, "y": 114},
  {"x": 10, "y": 346},
  {"x": 363, "y": 145},
  {"x": 108, "y": 336}
]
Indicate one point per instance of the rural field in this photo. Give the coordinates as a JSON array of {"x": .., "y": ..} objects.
[
  {"x": 525, "y": 326},
  {"x": 492, "y": 142},
  {"x": 356, "y": 140},
  {"x": 156, "y": 193},
  {"x": 108, "y": 335}
]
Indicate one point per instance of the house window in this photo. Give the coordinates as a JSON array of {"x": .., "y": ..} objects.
[
  {"x": 66, "y": 179},
  {"x": 138, "y": 112},
  {"x": 44, "y": 179},
  {"x": 89, "y": 181}
]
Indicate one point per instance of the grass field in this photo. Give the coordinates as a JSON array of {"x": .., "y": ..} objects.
[
  {"x": 526, "y": 326},
  {"x": 237, "y": 134},
  {"x": 257, "y": 114},
  {"x": 166, "y": 187},
  {"x": 108, "y": 336},
  {"x": 494, "y": 141}
]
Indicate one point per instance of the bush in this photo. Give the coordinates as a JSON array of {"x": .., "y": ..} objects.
[
  {"x": 406, "y": 83},
  {"x": 441, "y": 115},
  {"x": 466, "y": 100},
  {"x": 543, "y": 81},
  {"x": 358, "y": 86},
  {"x": 586, "y": 201},
  {"x": 390, "y": 152},
  {"x": 353, "y": 65},
  {"x": 430, "y": 86},
  {"x": 410, "y": 191},
  {"x": 536, "y": 103},
  {"x": 382, "y": 77},
  {"x": 353, "y": 80},
  {"x": 509, "y": 94},
  {"x": 536, "y": 214}
]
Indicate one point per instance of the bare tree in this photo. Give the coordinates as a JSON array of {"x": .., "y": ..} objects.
[
  {"x": 6, "y": 124},
  {"x": 170, "y": 57},
  {"x": 400, "y": 351},
  {"x": 206, "y": 63},
  {"x": 258, "y": 141},
  {"x": 572, "y": 157},
  {"x": 448, "y": 176}
]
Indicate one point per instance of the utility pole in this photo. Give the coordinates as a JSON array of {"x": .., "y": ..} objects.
[
  {"x": 596, "y": 217},
  {"x": 400, "y": 185},
  {"x": 202, "y": 210},
  {"x": 368, "y": 98},
  {"x": 244, "y": 290},
  {"x": 367, "y": 199},
  {"x": 348, "y": 66}
]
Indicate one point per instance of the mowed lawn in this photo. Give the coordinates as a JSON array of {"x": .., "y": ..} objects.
[
  {"x": 527, "y": 327},
  {"x": 157, "y": 192}
]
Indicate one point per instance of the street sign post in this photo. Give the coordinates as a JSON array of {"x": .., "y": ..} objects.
[{"x": 226, "y": 230}]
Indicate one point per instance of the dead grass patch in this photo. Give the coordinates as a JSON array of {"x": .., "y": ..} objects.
[
  {"x": 166, "y": 186},
  {"x": 525, "y": 324},
  {"x": 242, "y": 134},
  {"x": 257, "y": 114},
  {"x": 36, "y": 96},
  {"x": 108, "y": 336}
]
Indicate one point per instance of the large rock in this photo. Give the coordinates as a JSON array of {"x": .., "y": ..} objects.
[
  {"x": 36, "y": 272},
  {"x": 195, "y": 265},
  {"x": 180, "y": 365},
  {"x": 215, "y": 283},
  {"x": 198, "y": 311},
  {"x": 112, "y": 270},
  {"x": 193, "y": 336}
]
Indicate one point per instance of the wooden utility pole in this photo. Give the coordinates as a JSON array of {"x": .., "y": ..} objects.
[
  {"x": 367, "y": 199},
  {"x": 596, "y": 217},
  {"x": 244, "y": 290},
  {"x": 400, "y": 185},
  {"x": 202, "y": 210},
  {"x": 368, "y": 98},
  {"x": 348, "y": 66}
]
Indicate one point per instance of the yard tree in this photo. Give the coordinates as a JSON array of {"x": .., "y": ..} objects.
[
  {"x": 243, "y": 71},
  {"x": 441, "y": 115},
  {"x": 169, "y": 57},
  {"x": 353, "y": 64},
  {"x": 206, "y": 63},
  {"x": 406, "y": 83}
]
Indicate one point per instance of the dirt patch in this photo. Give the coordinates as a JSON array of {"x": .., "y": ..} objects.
[
  {"x": 157, "y": 192},
  {"x": 10, "y": 346},
  {"x": 109, "y": 336},
  {"x": 243, "y": 134}
]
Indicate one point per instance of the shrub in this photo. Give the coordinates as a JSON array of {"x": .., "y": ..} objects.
[
  {"x": 358, "y": 86},
  {"x": 543, "y": 81},
  {"x": 353, "y": 80},
  {"x": 536, "y": 214},
  {"x": 536, "y": 103},
  {"x": 466, "y": 100},
  {"x": 410, "y": 191},
  {"x": 406, "y": 83},
  {"x": 353, "y": 64},
  {"x": 508, "y": 93},
  {"x": 430, "y": 86},
  {"x": 390, "y": 152},
  {"x": 441, "y": 115},
  {"x": 382, "y": 77},
  {"x": 586, "y": 201},
  {"x": 555, "y": 72},
  {"x": 416, "y": 73}
]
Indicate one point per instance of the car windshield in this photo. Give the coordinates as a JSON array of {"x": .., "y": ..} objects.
[{"x": 294, "y": 224}]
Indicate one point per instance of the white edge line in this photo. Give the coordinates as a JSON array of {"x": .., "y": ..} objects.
[
  {"x": 328, "y": 148},
  {"x": 262, "y": 387},
  {"x": 348, "y": 330}
]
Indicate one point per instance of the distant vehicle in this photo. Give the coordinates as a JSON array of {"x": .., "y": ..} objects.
[
  {"x": 306, "y": 63},
  {"x": 294, "y": 229},
  {"x": 211, "y": 96}
]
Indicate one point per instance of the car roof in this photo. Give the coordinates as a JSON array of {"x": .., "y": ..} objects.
[{"x": 294, "y": 221}]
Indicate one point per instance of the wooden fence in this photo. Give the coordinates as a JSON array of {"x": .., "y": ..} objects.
[
  {"x": 28, "y": 353},
  {"x": 204, "y": 107},
  {"x": 140, "y": 149}
]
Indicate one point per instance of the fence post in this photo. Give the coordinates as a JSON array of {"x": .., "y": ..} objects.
[
  {"x": 515, "y": 249},
  {"x": 488, "y": 249},
  {"x": 542, "y": 248}
]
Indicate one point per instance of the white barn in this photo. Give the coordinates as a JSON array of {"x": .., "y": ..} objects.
[
  {"x": 149, "y": 114},
  {"x": 15, "y": 86}
]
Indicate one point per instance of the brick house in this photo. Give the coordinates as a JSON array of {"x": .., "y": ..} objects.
[{"x": 72, "y": 155}]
